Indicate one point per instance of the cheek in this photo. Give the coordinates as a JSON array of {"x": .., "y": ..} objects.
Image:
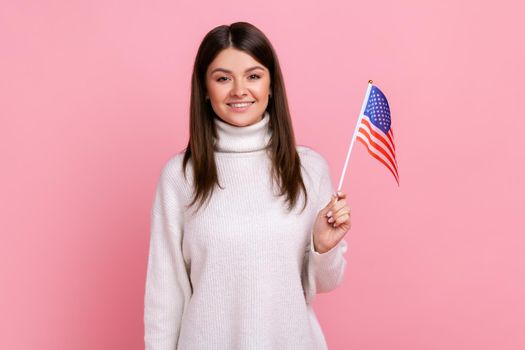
[
  {"x": 262, "y": 90},
  {"x": 217, "y": 92}
]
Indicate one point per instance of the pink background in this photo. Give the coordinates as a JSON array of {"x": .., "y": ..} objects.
[{"x": 94, "y": 99}]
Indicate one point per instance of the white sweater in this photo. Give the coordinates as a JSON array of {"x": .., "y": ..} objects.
[{"x": 241, "y": 273}]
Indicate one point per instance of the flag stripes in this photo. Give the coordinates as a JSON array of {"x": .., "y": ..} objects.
[{"x": 379, "y": 145}]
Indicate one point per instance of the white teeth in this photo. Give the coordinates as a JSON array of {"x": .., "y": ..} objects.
[{"x": 240, "y": 105}]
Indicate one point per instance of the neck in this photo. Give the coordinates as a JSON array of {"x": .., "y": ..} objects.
[{"x": 239, "y": 139}]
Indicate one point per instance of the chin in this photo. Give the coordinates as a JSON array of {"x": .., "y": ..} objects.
[{"x": 240, "y": 120}]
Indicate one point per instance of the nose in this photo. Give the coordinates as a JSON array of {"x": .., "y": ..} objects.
[{"x": 238, "y": 89}]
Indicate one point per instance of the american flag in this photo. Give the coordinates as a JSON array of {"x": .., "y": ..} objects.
[{"x": 375, "y": 131}]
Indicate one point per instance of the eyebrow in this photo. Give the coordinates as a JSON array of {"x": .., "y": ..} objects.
[{"x": 229, "y": 71}]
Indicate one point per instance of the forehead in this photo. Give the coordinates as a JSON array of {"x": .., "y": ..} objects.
[{"x": 234, "y": 60}]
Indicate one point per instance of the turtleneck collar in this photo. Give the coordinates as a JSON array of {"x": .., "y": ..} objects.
[{"x": 236, "y": 139}]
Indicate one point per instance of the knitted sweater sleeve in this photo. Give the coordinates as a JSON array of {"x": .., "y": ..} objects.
[
  {"x": 167, "y": 284},
  {"x": 323, "y": 272}
]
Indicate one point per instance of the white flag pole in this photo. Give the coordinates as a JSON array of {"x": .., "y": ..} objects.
[{"x": 363, "y": 106}]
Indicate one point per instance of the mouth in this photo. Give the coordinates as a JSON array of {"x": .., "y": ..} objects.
[{"x": 240, "y": 106}]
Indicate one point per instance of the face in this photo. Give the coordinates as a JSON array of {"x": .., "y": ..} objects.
[{"x": 238, "y": 87}]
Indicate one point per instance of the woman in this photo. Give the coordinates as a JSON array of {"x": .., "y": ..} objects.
[{"x": 244, "y": 227}]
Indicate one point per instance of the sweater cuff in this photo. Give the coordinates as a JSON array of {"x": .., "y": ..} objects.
[{"x": 327, "y": 269}]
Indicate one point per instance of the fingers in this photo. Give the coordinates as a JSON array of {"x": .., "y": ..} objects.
[
  {"x": 337, "y": 202},
  {"x": 337, "y": 211},
  {"x": 327, "y": 208},
  {"x": 340, "y": 217},
  {"x": 337, "y": 206},
  {"x": 343, "y": 211}
]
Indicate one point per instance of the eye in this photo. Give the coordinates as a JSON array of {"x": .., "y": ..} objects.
[
  {"x": 255, "y": 75},
  {"x": 219, "y": 79}
]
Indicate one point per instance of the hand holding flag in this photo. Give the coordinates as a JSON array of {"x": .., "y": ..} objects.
[{"x": 374, "y": 130}]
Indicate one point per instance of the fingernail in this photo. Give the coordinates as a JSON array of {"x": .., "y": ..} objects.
[
  {"x": 333, "y": 224},
  {"x": 329, "y": 214},
  {"x": 330, "y": 220}
]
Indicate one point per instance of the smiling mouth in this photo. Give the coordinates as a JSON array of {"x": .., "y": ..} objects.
[
  {"x": 240, "y": 104},
  {"x": 240, "y": 107}
]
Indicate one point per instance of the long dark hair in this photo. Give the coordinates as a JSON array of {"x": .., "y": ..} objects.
[{"x": 286, "y": 165}]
